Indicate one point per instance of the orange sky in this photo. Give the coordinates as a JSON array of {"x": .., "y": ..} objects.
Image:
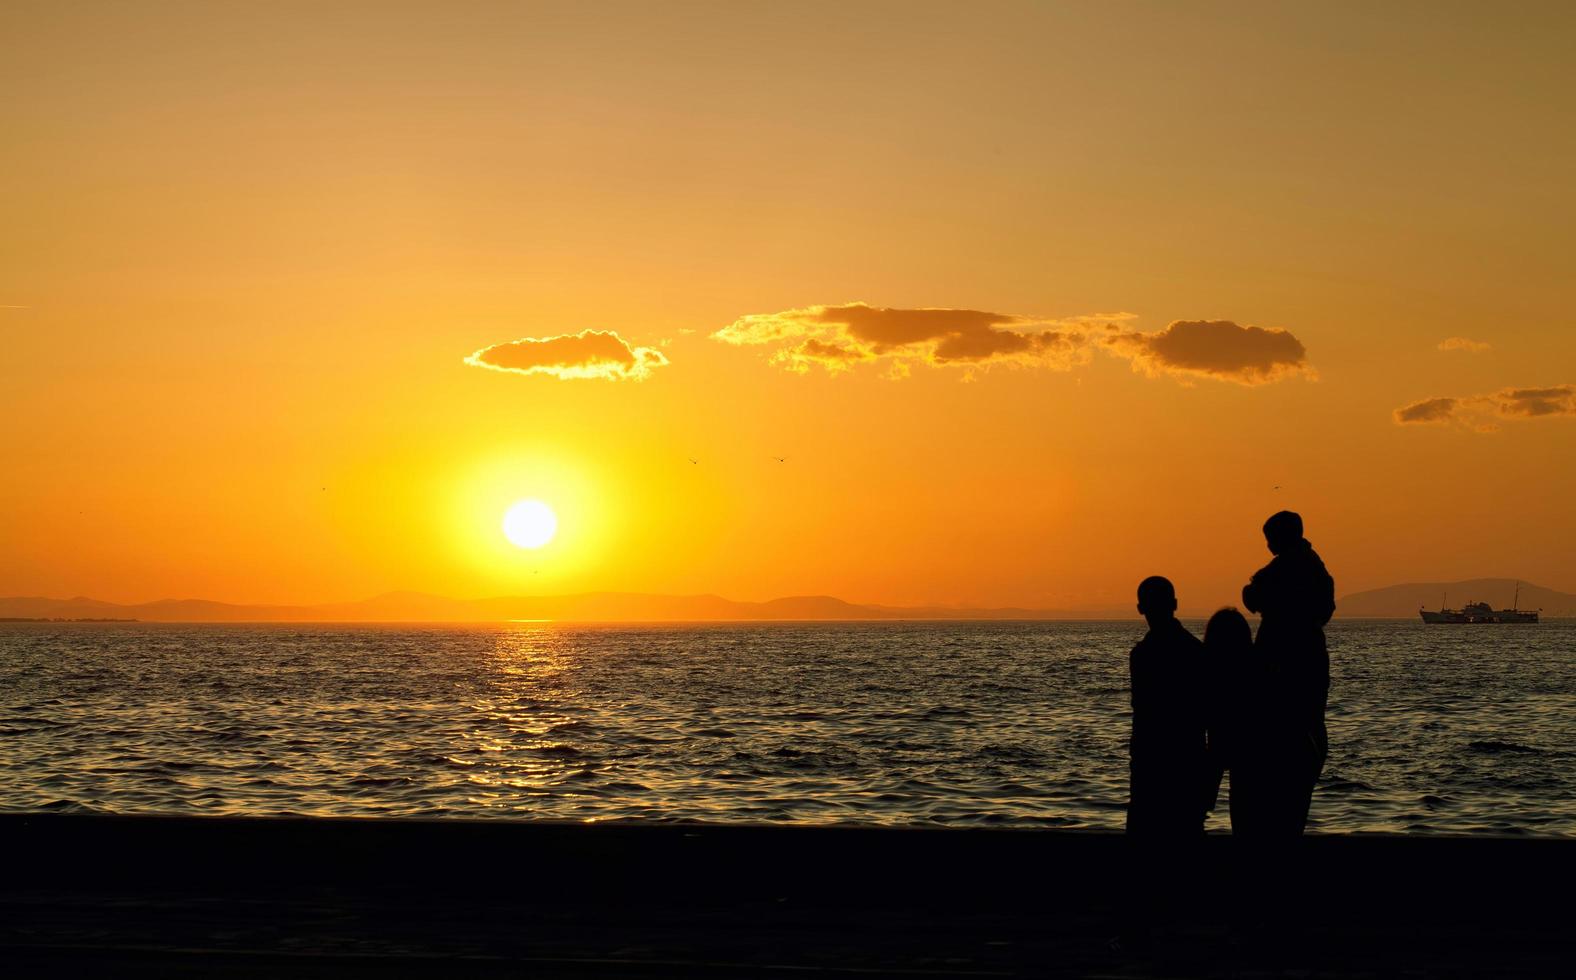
[{"x": 247, "y": 252}]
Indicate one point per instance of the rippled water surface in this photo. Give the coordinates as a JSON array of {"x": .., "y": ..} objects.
[{"x": 1443, "y": 730}]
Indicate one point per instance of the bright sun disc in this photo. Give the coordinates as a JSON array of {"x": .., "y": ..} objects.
[{"x": 530, "y": 524}]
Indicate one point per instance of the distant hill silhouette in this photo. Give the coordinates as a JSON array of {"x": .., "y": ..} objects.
[
  {"x": 1396, "y": 601},
  {"x": 408, "y": 607},
  {"x": 1403, "y": 600}
]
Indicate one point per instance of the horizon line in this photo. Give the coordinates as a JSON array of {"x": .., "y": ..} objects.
[{"x": 800, "y": 596}]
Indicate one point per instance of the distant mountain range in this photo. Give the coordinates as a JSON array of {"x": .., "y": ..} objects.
[
  {"x": 588, "y": 607},
  {"x": 1404, "y": 600},
  {"x": 1396, "y": 601}
]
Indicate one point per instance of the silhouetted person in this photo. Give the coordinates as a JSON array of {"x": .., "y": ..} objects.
[
  {"x": 1295, "y": 597},
  {"x": 1242, "y": 714},
  {"x": 1168, "y": 774},
  {"x": 1252, "y": 737}
]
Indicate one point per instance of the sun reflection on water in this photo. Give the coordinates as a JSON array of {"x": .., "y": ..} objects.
[{"x": 513, "y": 753}]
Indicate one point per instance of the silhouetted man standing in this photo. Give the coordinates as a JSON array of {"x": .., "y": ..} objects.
[
  {"x": 1167, "y": 783},
  {"x": 1295, "y": 598},
  {"x": 1167, "y": 773}
]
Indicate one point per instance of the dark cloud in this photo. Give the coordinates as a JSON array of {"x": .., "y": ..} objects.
[
  {"x": 1058, "y": 346},
  {"x": 1215, "y": 349},
  {"x": 1533, "y": 402},
  {"x": 1480, "y": 411},
  {"x": 587, "y": 354},
  {"x": 1428, "y": 410},
  {"x": 886, "y": 329}
]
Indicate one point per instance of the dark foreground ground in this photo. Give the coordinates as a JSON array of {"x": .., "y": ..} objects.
[{"x": 175, "y": 897}]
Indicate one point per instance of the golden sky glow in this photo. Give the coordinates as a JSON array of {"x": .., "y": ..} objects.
[{"x": 1032, "y": 299}]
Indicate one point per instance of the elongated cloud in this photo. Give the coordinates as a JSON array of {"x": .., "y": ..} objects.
[
  {"x": 837, "y": 337},
  {"x": 1480, "y": 411},
  {"x": 1464, "y": 344},
  {"x": 587, "y": 354},
  {"x": 1217, "y": 349},
  {"x": 1534, "y": 402}
]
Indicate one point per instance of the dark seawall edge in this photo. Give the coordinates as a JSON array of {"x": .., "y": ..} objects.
[{"x": 264, "y": 896}]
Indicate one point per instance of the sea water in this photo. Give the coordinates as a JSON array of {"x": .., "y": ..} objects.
[{"x": 1449, "y": 730}]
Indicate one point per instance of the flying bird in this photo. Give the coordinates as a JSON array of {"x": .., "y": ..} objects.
[
  {"x": 780, "y": 459},
  {"x": 693, "y": 460}
]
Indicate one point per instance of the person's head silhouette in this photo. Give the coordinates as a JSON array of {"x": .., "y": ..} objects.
[
  {"x": 1282, "y": 532},
  {"x": 1228, "y": 631},
  {"x": 1157, "y": 600}
]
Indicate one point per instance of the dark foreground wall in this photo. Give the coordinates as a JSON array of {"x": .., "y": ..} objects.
[{"x": 155, "y": 896}]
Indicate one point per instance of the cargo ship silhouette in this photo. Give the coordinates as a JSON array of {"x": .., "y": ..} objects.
[{"x": 1480, "y": 612}]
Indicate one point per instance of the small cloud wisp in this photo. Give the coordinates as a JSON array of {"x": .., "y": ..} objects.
[{"x": 587, "y": 354}]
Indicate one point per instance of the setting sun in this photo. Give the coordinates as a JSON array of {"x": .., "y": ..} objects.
[{"x": 530, "y": 524}]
